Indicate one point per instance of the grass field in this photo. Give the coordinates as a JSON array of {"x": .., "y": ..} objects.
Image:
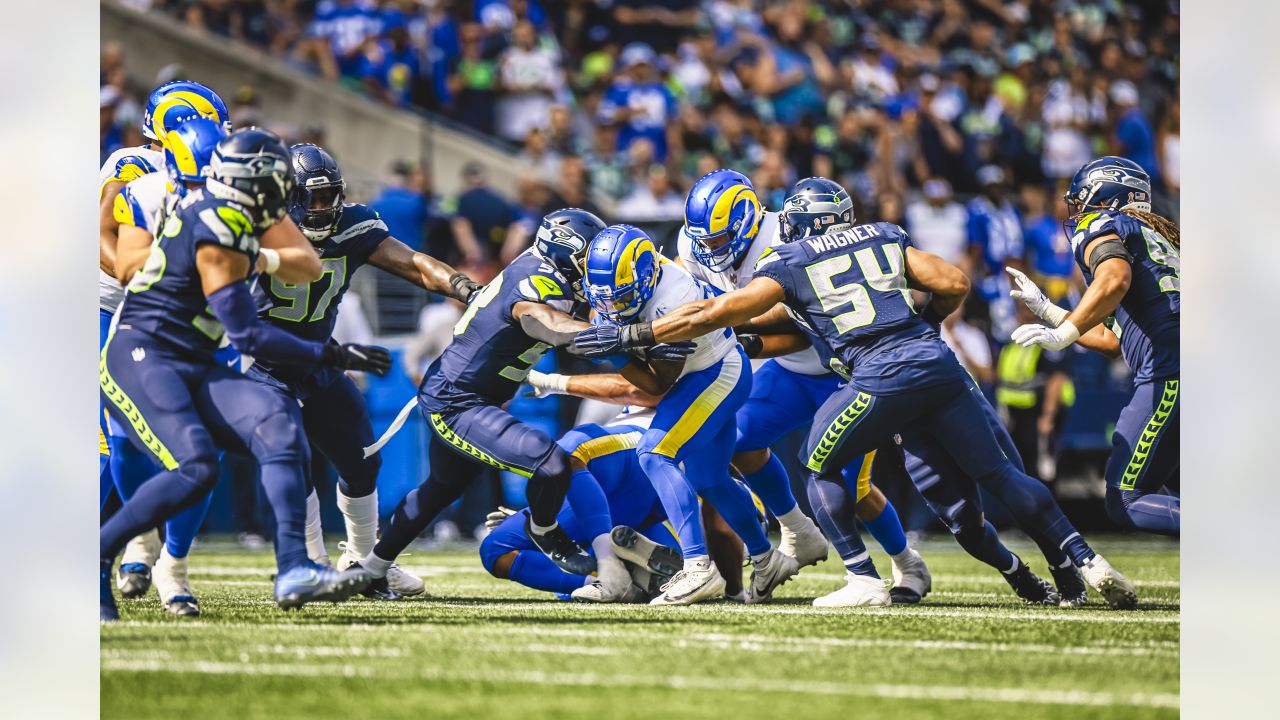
[{"x": 480, "y": 647}]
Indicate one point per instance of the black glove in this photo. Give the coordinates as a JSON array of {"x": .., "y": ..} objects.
[
  {"x": 365, "y": 358},
  {"x": 602, "y": 340},
  {"x": 671, "y": 351},
  {"x": 464, "y": 288},
  {"x": 753, "y": 345}
]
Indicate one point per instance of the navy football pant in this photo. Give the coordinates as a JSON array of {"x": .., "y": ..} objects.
[
  {"x": 1144, "y": 459},
  {"x": 462, "y": 444},
  {"x": 181, "y": 411}
]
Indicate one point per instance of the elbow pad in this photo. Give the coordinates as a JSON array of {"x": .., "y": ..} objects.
[
  {"x": 234, "y": 307},
  {"x": 1112, "y": 247}
]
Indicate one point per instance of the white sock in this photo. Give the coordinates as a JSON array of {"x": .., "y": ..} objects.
[
  {"x": 902, "y": 557},
  {"x": 602, "y": 546},
  {"x": 697, "y": 562},
  {"x": 759, "y": 558},
  {"x": 794, "y": 519},
  {"x": 361, "y": 516},
  {"x": 315, "y": 533},
  {"x": 541, "y": 530},
  {"x": 375, "y": 565}
]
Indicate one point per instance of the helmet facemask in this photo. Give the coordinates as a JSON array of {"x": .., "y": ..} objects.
[{"x": 317, "y": 208}]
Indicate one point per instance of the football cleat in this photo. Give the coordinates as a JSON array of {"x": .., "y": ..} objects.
[
  {"x": 645, "y": 557},
  {"x": 134, "y": 576},
  {"x": 612, "y": 584},
  {"x": 1116, "y": 588},
  {"x": 699, "y": 581},
  {"x": 312, "y": 583},
  {"x": 768, "y": 573},
  {"x": 858, "y": 591},
  {"x": 806, "y": 544},
  {"x": 1070, "y": 586},
  {"x": 911, "y": 580},
  {"x": 400, "y": 581},
  {"x": 107, "y": 611},
  {"x": 1031, "y": 588},
  {"x": 561, "y": 549},
  {"x": 378, "y": 588},
  {"x": 173, "y": 587}
]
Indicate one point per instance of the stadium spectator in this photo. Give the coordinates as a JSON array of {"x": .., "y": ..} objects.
[
  {"x": 391, "y": 68},
  {"x": 403, "y": 206},
  {"x": 337, "y": 35},
  {"x": 658, "y": 23},
  {"x": 473, "y": 82},
  {"x": 1033, "y": 392},
  {"x": 638, "y": 103},
  {"x": 1134, "y": 137},
  {"x": 652, "y": 200},
  {"x": 484, "y": 222},
  {"x": 1048, "y": 250},
  {"x": 938, "y": 224},
  {"x": 530, "y": 79}
]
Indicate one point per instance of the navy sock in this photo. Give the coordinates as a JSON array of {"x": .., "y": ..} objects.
[
  {"x": 1038, "y": 514},
  {"x": 286, "y": 490},
  {"x": 833, "y": 508},
  {"x": 678, "y": 500},
  {"x": 983, "y": 543},
  {"x": 886, "y": 528},
  {"x": 414, "y": 513},
  {"x": 735, "y": 506},
  {"x": 535, "y": 570},
  {"x": 773, "y": 486},
  {"x": 589, "y": 504}
]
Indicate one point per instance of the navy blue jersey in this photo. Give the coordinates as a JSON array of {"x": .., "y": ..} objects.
[
  {"x": 490, "y": 354},
  {"x": 165, "y": 298},
  {"x": 1148, "y": 314},
  {"x": 850, "y": 289}
]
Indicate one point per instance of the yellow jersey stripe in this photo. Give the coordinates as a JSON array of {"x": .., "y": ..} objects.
[
  {"x": 701, "y": 408},
  {"x": 606, "y": 445}
]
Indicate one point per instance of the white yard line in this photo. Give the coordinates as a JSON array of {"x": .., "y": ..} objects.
[{"x": 727, "y": 684}]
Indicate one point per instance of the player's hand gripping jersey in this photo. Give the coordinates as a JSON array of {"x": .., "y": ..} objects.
[
  {"x": 850, "y": 288},
  {"x": 491, "y": 355},
  {"x": 1148, "y": 315}
]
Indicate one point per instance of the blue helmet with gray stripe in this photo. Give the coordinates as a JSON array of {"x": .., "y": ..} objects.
[
  {"x": 251, "y": 168},
  {"x": 1109, "y": 183},
  {"x": 562, "y": 240},
  {"x": 318, "y": 193},
  {"x": 815, "y": 206}
]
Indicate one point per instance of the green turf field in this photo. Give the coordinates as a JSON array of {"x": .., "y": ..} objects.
[{"x": 485, "y": 648}]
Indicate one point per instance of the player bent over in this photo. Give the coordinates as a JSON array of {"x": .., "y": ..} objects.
[
  {"x": 849, "y": 285},
  {"x": 159, "y": 375}
]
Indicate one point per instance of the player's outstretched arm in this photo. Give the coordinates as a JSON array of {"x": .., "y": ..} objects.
[
  {"x": 773, "y": 344},
  {"x": 299, "y": 263},
  {"x": 946, "y": 282},
  {"x": 544, "y": 324},
  {"x": 733, "y": 308},
  {"x": 132, "y": 249},
  {"x": 1109, "y": 262},
  {"x": 422, "y": 270},
  {"x": 610, "y": 388}
]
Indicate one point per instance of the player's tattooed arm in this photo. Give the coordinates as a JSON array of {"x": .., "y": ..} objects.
[
  {"x": 299, "y": 262},
  {"x": 422, "y": 270},
  {"x": 542, "y": 323},
  {"x": 947, "y": 284}
]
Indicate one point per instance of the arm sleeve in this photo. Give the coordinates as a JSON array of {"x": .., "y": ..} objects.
[{"x": 234, "y": 307}]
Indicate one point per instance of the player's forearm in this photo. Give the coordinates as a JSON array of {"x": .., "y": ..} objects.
[
  {"x": 696, "y": 319},
  {"x": 610, "y": 388},
  {"x": 1101, "y": 340},
  {"x": 433, "y": 275},
  {"x": 546, "y": 325},
  {"x": 776, "y": 320},
  {"x": 779, "y": 344},
  {"x": 132, "y": 249},
  {"x": 234, "y": 307},
  {"x": 647, "y": 379},
  {"x": 299, "y": 262},
  {"x": 1103, "y": 296}
]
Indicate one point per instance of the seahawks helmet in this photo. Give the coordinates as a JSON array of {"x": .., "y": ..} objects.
[
  {"x": 188, "y": 151},
  {"x": 1110, "y": 183},
  {"x": 622, "y": 272},
  {"x": 251, "y": 167},
  {"x": 316, "y": 203},
  {"x": 721, "y": 216},
  {"x": 562, "y": 240},
  {"x": 815, "y": 206}
]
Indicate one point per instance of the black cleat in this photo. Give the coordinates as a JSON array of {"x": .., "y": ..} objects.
[
  {"x": 563, "y": 551},
  {"x": 904, "y": 596},
  {"x": 134, "y": 580},
  {"x": 651, "y": 565},
  {"x": 1071, "y": 586},
  {"x": 1029, "y": 587},
  {"x": 378, "y": 588}
]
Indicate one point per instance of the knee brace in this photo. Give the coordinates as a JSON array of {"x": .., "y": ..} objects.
[{"x": 278, "y": 438}]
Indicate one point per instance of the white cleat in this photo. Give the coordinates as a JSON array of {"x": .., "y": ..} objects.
[
  {"x": 768, "y": 573},
  {"x": 859, "y": 591},
  {"x": 698, "y": 581},
  {"x": 911, "y": 579},
  {"x": 173, "y": 587},
  {"x": 1116, "y": 588},
  {"x": 806, "y": 543},
  {"x": 133, "y": 578},
  {"x": 612, "y": 584},
  {"x": 399, "y": 580}
]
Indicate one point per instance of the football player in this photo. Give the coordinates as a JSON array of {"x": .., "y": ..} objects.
[
  {"x": 122, "y": 466},
  {"x": 850, "y": 285},
  {"x": 685, "y": 452},
  {"x": 724, "y": 233},
  {"x": 347, "y": 236},
  {"x": 505, "y": 329},
  {"x": 159, "y": 375},
  {"x": 1130, "y": 260}
]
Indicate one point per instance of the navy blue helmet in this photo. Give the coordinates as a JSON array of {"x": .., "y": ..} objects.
[
  {"x": 1110, "y": 183},
  {"x": 316, "y": 204},
  {"x": 815, "y": 206},
  {"x": 251, "y": 167},
  {"x": 562, "y": 241}
]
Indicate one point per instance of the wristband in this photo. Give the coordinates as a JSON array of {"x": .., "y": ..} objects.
[
  {"x": 639, "y": 335},
  {"x": 1054, "y": 315},
  {"x": 1070, "y": 333},
  {"x": 752, "y": 345},
  {"x": 271, "y": 259},
  {"x": 554, "y": 383}
]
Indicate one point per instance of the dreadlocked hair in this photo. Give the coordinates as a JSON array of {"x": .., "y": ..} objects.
[{"x": 1159, "y": 223}]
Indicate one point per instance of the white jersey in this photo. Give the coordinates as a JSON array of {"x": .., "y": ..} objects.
[
  {"x": 805, "y": 362},
  {"x": 124, "y": 165},
  {"x": 675, "y": 288}
]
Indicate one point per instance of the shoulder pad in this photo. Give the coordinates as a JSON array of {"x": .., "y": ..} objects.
[
  {"x": 229, "y": 224},
  {"x": 359, "y": 220}
]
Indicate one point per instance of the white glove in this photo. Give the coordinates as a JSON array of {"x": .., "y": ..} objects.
[
  {"x": 1031, "y": 296},
  {"x": 546, "y": 384},
  {"x": 496, "y": 518},
  {"x": 1048, "y": 338}
]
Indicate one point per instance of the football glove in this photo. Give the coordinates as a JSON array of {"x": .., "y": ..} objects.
[
  {"x": 464, "y": 288},
  {"x": 671, "y": 351},
  {"x": 1048, "y": 338},
  {"x": 364, "y": 358},
  {"x": 603, "y": 340},
  {"x": 497, "y": 517},
  {"x": 1031, "y": 296}
]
